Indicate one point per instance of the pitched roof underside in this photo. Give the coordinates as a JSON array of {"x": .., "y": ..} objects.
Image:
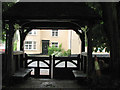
[{"x": 50, "y": 12}]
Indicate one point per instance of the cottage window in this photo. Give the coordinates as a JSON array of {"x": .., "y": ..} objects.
[
  {"x": 33, "y": 32},
  {"x": 30, "y": 45},
  {"x": 54, "y": 32},
  {"x": 55, "y": 44}
]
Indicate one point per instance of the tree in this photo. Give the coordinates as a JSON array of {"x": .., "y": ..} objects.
[
  {"x": 111, "y": 27},
  {"x": 110, "y": 33},
  {"x": 99, "y": 36}
]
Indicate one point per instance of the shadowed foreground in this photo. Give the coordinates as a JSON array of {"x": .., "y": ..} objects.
[
  {"x": 47, "y": 83},
  {"x": 62, "y": 84}
]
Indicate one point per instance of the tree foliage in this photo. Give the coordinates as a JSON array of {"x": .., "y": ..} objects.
[
  {"x": 95, "y": 6},
  {"x": 99, "y": 38},
  {"x": 5, "y": 7}
]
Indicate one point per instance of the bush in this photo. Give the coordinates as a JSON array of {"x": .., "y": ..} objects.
[{"x": 58, "y": 51}]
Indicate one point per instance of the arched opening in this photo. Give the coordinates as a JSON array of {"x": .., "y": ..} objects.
[
  {"x": 61, "y": 42},
  {"x": 67, "y": 39}
]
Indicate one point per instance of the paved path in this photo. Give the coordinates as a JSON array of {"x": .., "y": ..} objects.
[{"x": 49, "y": 83}]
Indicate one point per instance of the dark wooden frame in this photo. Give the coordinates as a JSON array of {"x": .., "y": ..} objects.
[
  {"x": 66, "y": 59},
  {"x": 37, "y": 69}
]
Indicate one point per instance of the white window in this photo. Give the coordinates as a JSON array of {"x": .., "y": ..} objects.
[
  {"x": 55, "y": 44},
  {"x": 33, "y": 32},
  {"x": 54, "y": 32},
  {"x": 30, "y": 45}
]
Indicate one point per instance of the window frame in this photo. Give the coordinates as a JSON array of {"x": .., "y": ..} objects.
[
  {"x": 32, "y": 32},
  {"x": 54, "y": 31},
  {"x": 32, "y": 45},
  {"x": 55, "y": 42}
]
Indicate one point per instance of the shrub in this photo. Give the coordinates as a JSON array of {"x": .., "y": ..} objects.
[{"x": 58, "y": 51}]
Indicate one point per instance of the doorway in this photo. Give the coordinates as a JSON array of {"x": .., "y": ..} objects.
[{"x": 45, "y": 44}]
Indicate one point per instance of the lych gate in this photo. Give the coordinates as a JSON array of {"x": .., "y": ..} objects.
[
  {"x": 38, "y": 15},
  {"x": 52, "y": 65}
]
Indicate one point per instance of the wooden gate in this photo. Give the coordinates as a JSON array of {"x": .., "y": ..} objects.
[
  {"x": 64, "y": 65},
  {"x": 53, "y": 65},
  {"x": 39, "y": 64}
]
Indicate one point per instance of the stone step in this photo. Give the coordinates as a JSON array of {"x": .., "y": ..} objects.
[
  {"x": 79, "y": 74},
  {"x": 22, "y": 73}
]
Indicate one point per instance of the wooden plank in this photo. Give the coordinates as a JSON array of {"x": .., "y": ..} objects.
[
  {"x": 38, "y": 58},
  {"x": 66, "y": 58},
  {"x": 22, "y": 73},
  {"x": 79, "y": 74},
  {"x": 17, "y": 52}
]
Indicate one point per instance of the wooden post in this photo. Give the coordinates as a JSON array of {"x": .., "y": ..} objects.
[
  {"x": 10, "y": 48},
  {"x": 81, "y": 62},
  {"x": 6, "y": 51},
  {"x": 78, "y": 62},
  {"x": 6, "y": 46},
  {"x": 37, "y": 69},
  {"x": 89, "y": 52},
  {"x": 22, "y": 38},
  {"x": 26, "y": 58},
  {"x": 85, "y": 63},
  {"x": 65, "y": 63},
  {"x": 50, "y": 62},
  {"x": 83, "y": 42},
  {"x": 118, "y": 15},
  {"x": 53, "y": 65}
]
